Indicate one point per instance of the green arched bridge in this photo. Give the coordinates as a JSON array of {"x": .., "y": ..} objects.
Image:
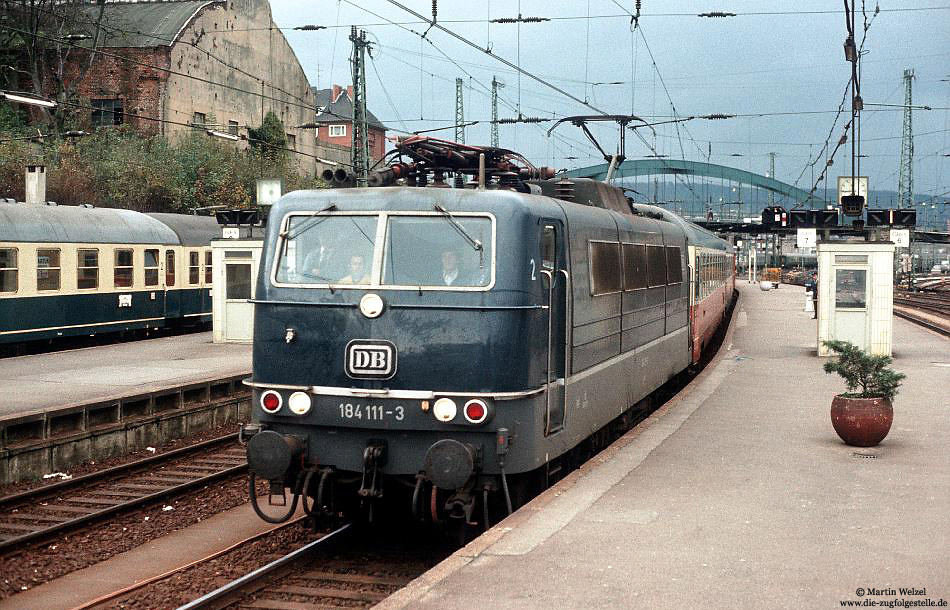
[{"x": 647, "y": 167}]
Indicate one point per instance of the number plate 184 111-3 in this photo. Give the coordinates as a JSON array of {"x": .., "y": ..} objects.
[{"x": 349, "y": 410}]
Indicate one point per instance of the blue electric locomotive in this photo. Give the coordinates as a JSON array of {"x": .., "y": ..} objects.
[{"x": 450, "y": 338}]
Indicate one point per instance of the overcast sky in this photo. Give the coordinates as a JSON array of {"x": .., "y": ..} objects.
[{"x": 789, "y": 61}]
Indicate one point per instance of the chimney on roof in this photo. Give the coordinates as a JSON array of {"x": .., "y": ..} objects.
[
  {"x": 349, "y": 92},
  {"x": 35, "y": 184},
  {"x": 336, "y": 93}
]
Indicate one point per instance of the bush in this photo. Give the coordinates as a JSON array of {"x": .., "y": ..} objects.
[
  {"x": 858, "y": 368},
  {"x": 116, "y": 167}
]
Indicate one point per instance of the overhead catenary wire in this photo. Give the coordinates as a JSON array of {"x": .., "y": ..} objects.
[{"x": 485, "y": 89}]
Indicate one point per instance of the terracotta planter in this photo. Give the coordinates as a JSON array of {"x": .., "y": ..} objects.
[{"x": 862, "y": 422}]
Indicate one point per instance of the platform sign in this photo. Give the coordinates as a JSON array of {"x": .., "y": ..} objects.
[
  {"x": 900, "y": 237},
  {"x": 807, "y": 238}
]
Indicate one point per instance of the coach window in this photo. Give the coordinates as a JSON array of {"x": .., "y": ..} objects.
[
  {"x": 605, "y": 269},
  {"x": 656, "y": 266},
  {"x": 122, "y": 274},
  {"x": 8, "y": 270},
  {"x": 194, "y": 269},
  {"x": 169, "y": 267},
  {"x": 208, "y": 267},
  {"x": 673, "y": 264},
  {"x": 151, "y": 267},
  {"x": 47, "y": 269},
  {"x": 634, "y": 266},
  {"x": 87, "y": 268}
]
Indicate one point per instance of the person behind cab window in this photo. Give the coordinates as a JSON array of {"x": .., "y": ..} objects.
[
  {"x": 358, "y": 273},
  {"x": 452, "y": 274}
]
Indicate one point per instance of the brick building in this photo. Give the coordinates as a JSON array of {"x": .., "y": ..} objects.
[
  {"x": 335, "y": 125},
  {"x": 195, "y": 64}
]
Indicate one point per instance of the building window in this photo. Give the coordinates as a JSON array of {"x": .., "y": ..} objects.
[
  {"x": 291, "y": 141},
  {"x": 193, "y": 268},
  {"x": 151, "y": 267},
  {"x": 8, "y": 270},
  {"x": 122, "y": 272},
  {"x": 169, "y": 268},
  {"x": 198, "y": 119},
  {"x": 106, "y": 113},
  {"x": 87, "y": 269},
  {"x": 47, "y": 269},
  {"x": 208, "y": 267},
  {"x": 337, "y": 131},
  {"x": 233, "y": 128}
]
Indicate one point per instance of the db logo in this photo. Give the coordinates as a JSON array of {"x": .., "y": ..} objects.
[{"x": 370, "y": 359}]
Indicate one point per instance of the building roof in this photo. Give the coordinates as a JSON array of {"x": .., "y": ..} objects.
[
  {"x": 141, "y": 24},
  {"x": 339, "y": 110}
]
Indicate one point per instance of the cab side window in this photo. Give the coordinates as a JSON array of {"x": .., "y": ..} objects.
[{"x": 548, "y": 247}]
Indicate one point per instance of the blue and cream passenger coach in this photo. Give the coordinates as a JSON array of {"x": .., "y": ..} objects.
[
  {"x": 449, "y": 338},
  {"x": 79, "y": 270}
]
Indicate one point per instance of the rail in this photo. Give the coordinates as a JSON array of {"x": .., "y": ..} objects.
[
  {"x": 137, "y": 482},
  {"x": 251, "y": 579}
]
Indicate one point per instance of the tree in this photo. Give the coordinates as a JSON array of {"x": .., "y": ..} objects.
[
  {"x": 39, "y": 42},
  {"x": 269, "y": 140}
]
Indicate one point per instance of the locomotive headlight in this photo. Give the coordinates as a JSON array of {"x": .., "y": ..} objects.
[
  {"x": 444, "y": 409},
  {"x": 299, "y": 403}
]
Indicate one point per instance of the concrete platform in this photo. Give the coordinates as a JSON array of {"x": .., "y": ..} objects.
[
  {"x": 736, "y": 494},
  {"x": 51, "y": 381}
]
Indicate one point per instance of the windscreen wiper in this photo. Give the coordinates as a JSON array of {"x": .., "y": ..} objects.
[
  {"x": 476, "y": 244},
  {"x": 317, "y": 219}
]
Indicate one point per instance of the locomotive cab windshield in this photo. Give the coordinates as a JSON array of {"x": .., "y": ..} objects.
[{"x": 388, "y": 250}]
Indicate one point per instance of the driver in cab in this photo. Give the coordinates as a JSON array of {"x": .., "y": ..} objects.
[{"x": 358, "y": 273}]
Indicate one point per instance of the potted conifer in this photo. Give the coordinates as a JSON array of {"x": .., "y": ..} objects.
[{"x": 862, "y": 418}]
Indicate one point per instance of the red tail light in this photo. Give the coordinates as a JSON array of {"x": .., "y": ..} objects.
[
  {"x": 475, "y": 411},
  {"x": 271, "y": 401}
]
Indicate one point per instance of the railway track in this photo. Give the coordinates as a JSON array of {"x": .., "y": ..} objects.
[
  {"x": 355, "y": 573},
  {"x": 929, "y": 309},
  {"x": 40, "y": 513}
]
